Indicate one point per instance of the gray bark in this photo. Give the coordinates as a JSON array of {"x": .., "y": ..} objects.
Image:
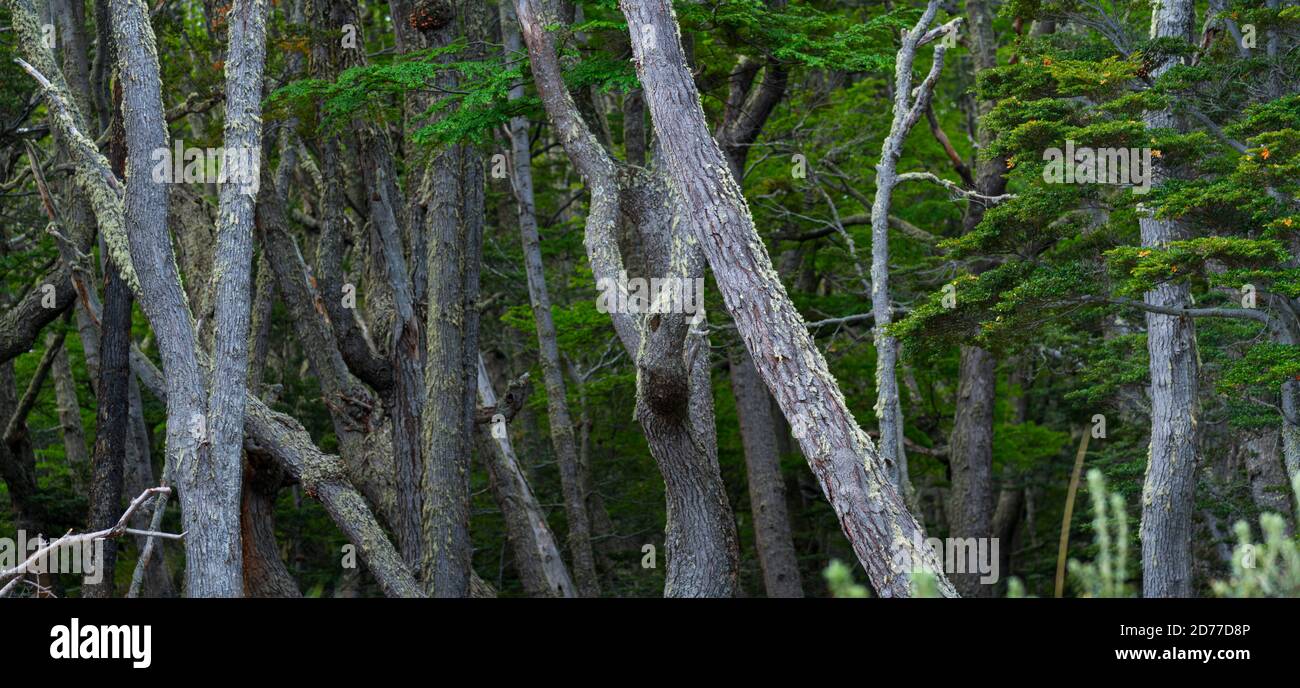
[
  {"x": 213, "y": 556},
  {"x": 557, "y": 405},
  {"x": 536, "y": 555},
  {"x": 222, "y": 481},
  {"x": 907, "y": 112},
  {"x": 1168, "y": 491}
]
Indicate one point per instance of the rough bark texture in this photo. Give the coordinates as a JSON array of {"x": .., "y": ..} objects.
[
  {"x": 212, "y": 547},
  {"x": 886, "y": 538},
  {"x": 1167, "y": 493},
  {"x": 446, "y": 232},
  {"x": 970, "y": 456},
  {"x": 245, "y": 65},
  {"x": 908, "y": 108}
]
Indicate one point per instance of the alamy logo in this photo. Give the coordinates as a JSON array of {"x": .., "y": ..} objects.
[
  {"x": 1083, "y": 165},
  {"x": 192, "y": 165},
  {"x": 957, "y": 555},
  {"x": 655, "y": 295},
  {"x": 76, "y": 558},
  {"x": 75, "y": 641}
]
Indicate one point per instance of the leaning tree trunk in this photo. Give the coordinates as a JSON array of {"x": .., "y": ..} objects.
[
  {"x": 1167, "y": 493},
  {"x": 537, "y": 557},
  {"x": 885, "y": 536},
  {"x": 557, "y": 405}
]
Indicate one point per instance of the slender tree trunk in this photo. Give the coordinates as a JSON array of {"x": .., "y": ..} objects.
[
  {"x": 212, "y": 547},
  {"x": 970, "y": 456},
  {"x": 233, "y": 262},
  {"x": 908, "y": 108},
  {"x": 111, "y": 424},
  {"x": 971, "y": 442},
  {"x": 537, "y": 557},
  {"x": 1269, "y": 487},
  {"x": 775, "y": 544},
  {"x": 674, "y": 403},
  {"x": 1167, "y": 493},
  {"x": 65, "y": 392},
  {"x": 557, "y": 405}
]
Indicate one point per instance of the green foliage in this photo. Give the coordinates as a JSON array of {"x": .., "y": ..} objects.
[
  {"x": 839, "y": 578},
  {"x": 1108, "y": 575},
  {"x": 1141, "y": 269},
  {"x": 1264, "y": 364},
  {"x": 1022, "y": 446},
  {"x": 1264, "y": 569},
  {"x": 802, "y": 34}
]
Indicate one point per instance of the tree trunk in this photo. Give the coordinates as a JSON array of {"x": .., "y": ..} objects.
[
  {"x": 221, "y": 482},
  {"x": 1269, "y": 487},
  {"x": 907, "y": 111},
  {"x": 18, "y": 461},
  {"x": 212, "y": 547},
  {"x": 265, "y": 574},
  {"x": 775, "y": 544},
  {"x": 674, "y": 403},
  {"x": 971, "y": 442},
  {"x": 65, "y": 392},
  {"x": 886, "y": 538},
  {"x": 557, "y": 405},
  {"x": 537, "y": 557},
  {"x": 970, "y": 456},
  {"x": 111, "y": 424},
  {"x": 1167, "y": 493}
]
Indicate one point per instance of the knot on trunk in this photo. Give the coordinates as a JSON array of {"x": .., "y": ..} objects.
[
  {"x": 664, "y": 389},
  {"x": 430, "y": 15}
]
